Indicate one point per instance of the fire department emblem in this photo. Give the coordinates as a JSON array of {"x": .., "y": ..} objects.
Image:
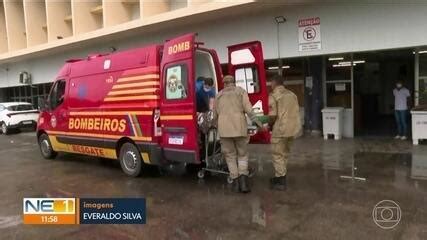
[{"x": 53, "y": 121}]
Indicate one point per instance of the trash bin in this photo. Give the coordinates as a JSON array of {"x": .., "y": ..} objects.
[
  {"x": 419, "y": 125},
  {"x": 333, "y": 123}
]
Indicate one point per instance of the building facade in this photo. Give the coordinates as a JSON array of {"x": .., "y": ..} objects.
[{"x": 332, "y": 54}]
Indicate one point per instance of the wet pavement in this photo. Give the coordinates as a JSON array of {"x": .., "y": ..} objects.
[{"x": 320, "y": 203}]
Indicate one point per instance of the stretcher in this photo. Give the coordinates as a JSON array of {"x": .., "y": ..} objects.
[
  {"x": 213, "y": 158},
  {"x": 214, "y": 161}
]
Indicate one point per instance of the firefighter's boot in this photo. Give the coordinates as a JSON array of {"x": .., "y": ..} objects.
[
  {"x": 278, "y": 183},
  {"x": 235, "y": 185},
  {"x": 244, "y": 184}
]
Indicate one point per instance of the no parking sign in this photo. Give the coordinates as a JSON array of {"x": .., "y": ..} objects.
[{"x": 309, "y": 34}]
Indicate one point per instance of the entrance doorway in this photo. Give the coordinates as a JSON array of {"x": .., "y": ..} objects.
[
  {"x": 421, "y": 77},
  {"x": 338, "y": 89},
  {"x": 375, "y": 75}
]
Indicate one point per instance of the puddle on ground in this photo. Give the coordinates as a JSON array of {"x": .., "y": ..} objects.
[
  {"x": 10, "y": 221},
  {"x": 397, "y": 168}
]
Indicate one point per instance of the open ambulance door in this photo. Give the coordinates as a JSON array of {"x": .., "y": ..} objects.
[
  {"x": 246, "y": 64},
  {"x": 177, "y": 105}
]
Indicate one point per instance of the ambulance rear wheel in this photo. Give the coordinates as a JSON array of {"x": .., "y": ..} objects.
[
  {"x": 130, "y": 160},
  {"x": 46, "y": 147}
]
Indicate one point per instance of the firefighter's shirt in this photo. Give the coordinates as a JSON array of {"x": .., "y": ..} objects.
[
  {"x": 283, "y": 104},
  {"x": 231, "y": 104}
]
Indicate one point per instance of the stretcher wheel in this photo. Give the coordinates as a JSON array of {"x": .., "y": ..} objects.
[
  {"x": 251, "y": 172},
  {"x": 201, "y": 174},
  {"x": 229, "y": 180}
]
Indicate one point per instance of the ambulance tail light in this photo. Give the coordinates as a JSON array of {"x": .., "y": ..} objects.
[{"x": 156, "y": 122}]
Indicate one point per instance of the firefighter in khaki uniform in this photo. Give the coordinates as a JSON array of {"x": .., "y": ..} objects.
[
  {"x": 285, "y": 118},
  {"x": 231, "y": 104}
]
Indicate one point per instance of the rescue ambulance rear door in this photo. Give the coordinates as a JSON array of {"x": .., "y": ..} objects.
[
  {"x": 246, "y": 64},
  {"x": 177, "y": 108}
]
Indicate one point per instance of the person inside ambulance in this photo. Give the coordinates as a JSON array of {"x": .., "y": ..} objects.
[
  {"x": 205, "y": 94},
  {"x": 175, "y": 89},
  {"x": 199, "y": 82}
]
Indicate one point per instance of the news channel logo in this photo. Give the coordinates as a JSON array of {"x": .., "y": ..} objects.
[
  {"x": 84, "y": 211},
  {"x": 49, "y": 210},
  {"x": 49, "y": 205},
  {"x": 387, "y": 214}
]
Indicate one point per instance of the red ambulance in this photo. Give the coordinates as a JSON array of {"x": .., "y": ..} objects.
[{"x": 139, "y": 105}]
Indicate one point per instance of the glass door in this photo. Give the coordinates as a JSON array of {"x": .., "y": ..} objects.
[
  {"x": 338, "y": 88},
  {"x": 421, "y": 77}
]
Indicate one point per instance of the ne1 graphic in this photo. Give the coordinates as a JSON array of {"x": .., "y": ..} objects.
[
  {"x": 49, "y": 211},
  {"x": 84, "y": 211}
]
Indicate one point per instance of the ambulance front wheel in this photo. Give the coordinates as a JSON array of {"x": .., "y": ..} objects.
[
  {"x": 46, "y": 147},
  {"x": 130, "y": 160}
]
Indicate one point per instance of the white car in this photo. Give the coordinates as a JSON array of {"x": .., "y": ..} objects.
[{"x": 17, "y": 115}]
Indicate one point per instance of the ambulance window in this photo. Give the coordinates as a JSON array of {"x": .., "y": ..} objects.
[
  {"x": 57, "y": 94},
  {"x": 247, "y": 78},
  {"x": 176, "y": 82}
]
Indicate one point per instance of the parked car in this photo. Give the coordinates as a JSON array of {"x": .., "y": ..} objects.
[{"x": 17, "y": 115}]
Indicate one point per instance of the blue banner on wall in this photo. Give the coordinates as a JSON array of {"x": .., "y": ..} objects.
[{"x": 112, "y": 211}]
